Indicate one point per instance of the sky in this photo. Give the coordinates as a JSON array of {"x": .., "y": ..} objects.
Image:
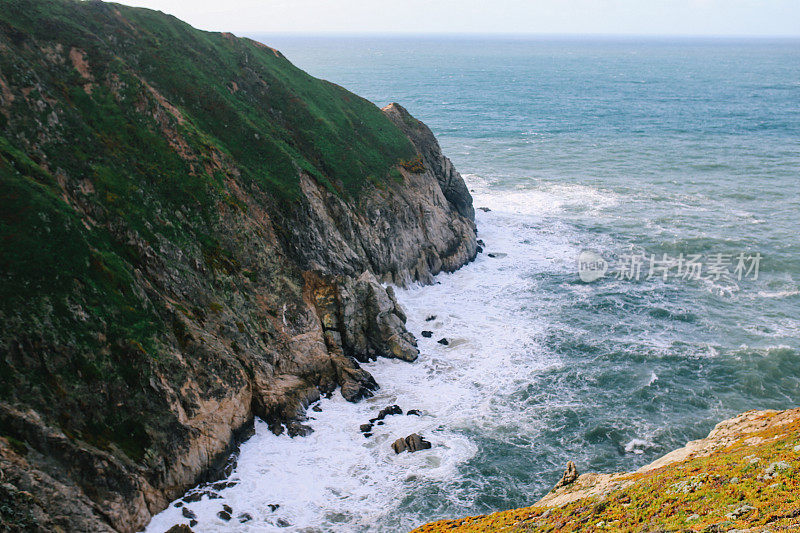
[{"x": 590, "y": 17}]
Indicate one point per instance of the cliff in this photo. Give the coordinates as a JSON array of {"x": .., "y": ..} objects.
[
  {"x": 745, "y": 476},
  {"x": 194, "y": 232}
]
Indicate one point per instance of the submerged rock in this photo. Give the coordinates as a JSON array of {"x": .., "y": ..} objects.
[
  {"x": 430, "y": 318},
  {"x": 414, "y": 412},
  {"x": 427, "y": 334},
  {"x": 443, "y": 341}
]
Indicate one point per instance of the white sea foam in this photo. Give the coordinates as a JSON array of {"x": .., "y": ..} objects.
[
  {"x": 637, "y": 446},
  {"x": 541, "y": 199},
  {"x": 778, "y": 294},
  {"x": 338, "y": 480}
]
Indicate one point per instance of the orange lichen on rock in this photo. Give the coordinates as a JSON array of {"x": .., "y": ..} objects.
[{"x": 744, "y": 476}]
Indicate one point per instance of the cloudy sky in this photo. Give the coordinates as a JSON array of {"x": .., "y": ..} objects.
[{"x": 637, "y": 17}]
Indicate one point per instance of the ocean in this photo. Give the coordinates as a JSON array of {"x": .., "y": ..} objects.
[{"x": 647, "y": 155}]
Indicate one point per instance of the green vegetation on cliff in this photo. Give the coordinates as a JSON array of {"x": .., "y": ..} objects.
[{"x": 125, "y": 133}]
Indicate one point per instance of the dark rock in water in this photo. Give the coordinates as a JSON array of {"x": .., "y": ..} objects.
[
  {"x": 220, "y": 485},
  {"x": 480, "y": 249},
  {"x": 484, "y": 209},
  {"x": 192, "y": 523},
  {"x": 275, "y": 427},
  {"x": 317, "y": 408},
  {"x": 244, "y": 517},
  {"x": 282, "y": 523},
  {"x": 188, "y": 513},
  {"x": 492, "y": 255},
  {"x": 224, "y": 515},
  {"x": 569, "y": 477},
  {"x": 178, "y": 504},
  {"x": 415, "y": 412},
  {"x": 443, "y": 342},
  {"x": 480, "y": 242},
  {"x": 357, "y": 384},
  {"x": 193, "y": 497},
  {"x": 212, "y": 495},
  {"x": 365, "y": 427},
  {"x": 427, "y": 334},
  {"x": 379, "y": 423},
  {"x": 367, "y": 435},
  {"x": 273, "y": 506},
  {"x": 497, "y": 255},
  {"x": 296, "y": 429},
  {"x": 227, "y": 508},
  {"x": 412, "y": 443},
  {"x": 399, "y": 445},
  {"x": 386, "y": 411},
  {"x": 415, "y": 443},
  {"x": 430, "y": 318},
  {"x": 180, "y": 528}
]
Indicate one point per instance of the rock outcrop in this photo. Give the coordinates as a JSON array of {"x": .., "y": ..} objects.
[
  {"x": 453, "y": 187},
  {"x": 569, "y": 476},
  {"x": 191, "y": 239},
  {"x": 412, "y": 443}
]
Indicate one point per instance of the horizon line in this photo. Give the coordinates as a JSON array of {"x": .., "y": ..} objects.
[{"x": 722, "y": 36}]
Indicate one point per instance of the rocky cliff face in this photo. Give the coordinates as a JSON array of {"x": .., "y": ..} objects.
[
  {"x": 194, "y": 233},
  {"x": 742, "y": 477}
]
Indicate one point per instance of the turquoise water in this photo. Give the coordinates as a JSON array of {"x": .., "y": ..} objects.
[{"x": 619, "y": 146}]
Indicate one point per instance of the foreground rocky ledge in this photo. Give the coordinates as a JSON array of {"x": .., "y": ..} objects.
[{"x": 745, "y": 476}]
